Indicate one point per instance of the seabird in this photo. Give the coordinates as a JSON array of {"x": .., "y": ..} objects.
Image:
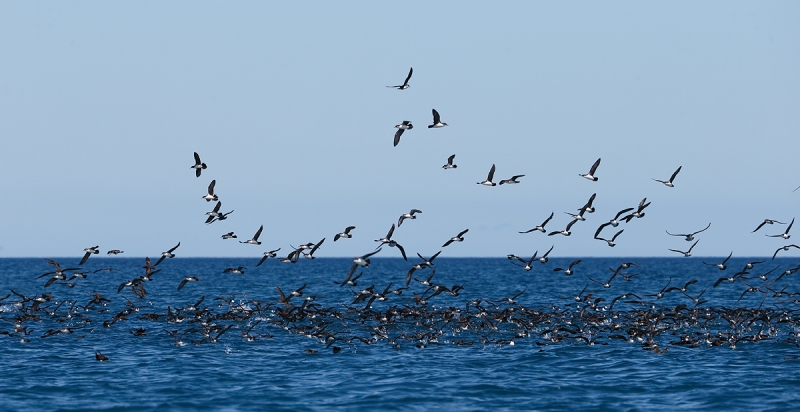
[
  {"x": 785, "y": 234},
  {"x": 721, "y": 266},
  {"x": 450, "y": 164},
  {"x": 784, "y": 248},
  {"x": 564, "y": 232},
  {"x": 187, "y": 280},
  {"x": 254, "y": 240},
  {"x": 488, "y": 181},
  {"x": 409, "y": 215},
  {"x": 639, "y": 211},
  {"x": 229, "y": 235},
  {"x": 400, "y": 129},
  {"x": 198, "y": 165},
  {"x": 588, "y": 207},
  {"x": 543, "y": 259},
  {"x": 267, "y": 255},
  {"x": 527, "y": 263},
  {"x": 668, "y": 183},
  {"x": 768, "y": 222},
  {"x": 362, "y": 261},
  {"x": 513, "y": 180},
  {"x": 610, "y": 242},
  {"x": 688, "y": 252},
  {"x": 540, "y": 227},
  {"x": 346, "y": 234},
  {"x": 591, "y": 175},
  {"x": 568, "y": 271},
  {"x": 405, "y": 84},
  {"x": 114, "y": 252},
  {"x": 167, "y": 254},
  {"x": 237, "y": 270},
  {"x": 689, "y": 236},
  {"x": 310, "y": 255},
  {"x": 457, "y": 238},
  {"x": 614, "y": 221},
  {"x": 89, "y": 252},
  {"x": 99, "y": 356},
  {"x": 437, "y": 122},
  {"x": 211, "y": 196}
]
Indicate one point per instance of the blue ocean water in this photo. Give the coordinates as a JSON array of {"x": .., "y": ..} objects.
[{"x": 726, "y": 349}]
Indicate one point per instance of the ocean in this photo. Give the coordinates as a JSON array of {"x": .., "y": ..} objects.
[{"x": 509, "y": 339}]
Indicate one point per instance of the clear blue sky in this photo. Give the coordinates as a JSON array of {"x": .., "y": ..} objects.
[{"x": 103, "y": 103}]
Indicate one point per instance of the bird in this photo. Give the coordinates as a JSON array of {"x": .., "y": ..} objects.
[
  {"x": 610, "y": 242},
  {"x": 214, "y": 213},
  {"x": 668, "y": 183},
  {"x": 614, "y": 221},
  {"x": 254, "y": 240},
  {"x": 267, "y": 255},
  {"x": 689, "y": 236},
  {"x": 187, "y": 280},
  {"x": 592, "y": 171},
  {"x": 346, "y": 234},
  {"x": 114, "y": 252},
  {"x": 310, "y": 255},
  {"x": 540, "y": 228},
  {"x": 198, "y": 165},
  {"x": 211, "y": 196},
  {"x": 402, "y": 127},
  {"x": 167, "y": 254},
  {"x": 437, "y": 122},
  {"x": 564, "y": 232},
  {"x": 362, "y": 261},
  {"x": 608, "y": 283},
  {"x": 409, "y": 215},
  {"x": 568, "y": 271},
  {"x": 721, "y": 266},
  {"x": 237, "y": 270},
  {"x": 639, "y": 211},
  {"x": 387, "y": 240},
  {"x": 229, "y": 235},
  {"x": 89, "y": 252},
  {"x": 405, "y": 84},
  {"x": 784, "y": 248},
  {"x": 581, "y": 211},
  {"x": 768, "y": 222},
  {"x": 488, "y": 181},
  {"x": 450, "y": 164},
  {"x": 527, "y": 263},
  {"x": 588, "y": 207},
  {"x": 688, "y": 252},
  {"x": 457, "y": 238},
  {"x": 785, "y": 234},
  {"x": 99, "y": 356},
  {"x": 513, "y": 180},
  {"x": 543, "y": 259}
]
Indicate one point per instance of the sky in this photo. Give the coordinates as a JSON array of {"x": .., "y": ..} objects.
[{"x": 103, "y": 103}]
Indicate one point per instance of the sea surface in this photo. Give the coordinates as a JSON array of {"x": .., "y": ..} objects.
[{"x": 732, "y": 348}]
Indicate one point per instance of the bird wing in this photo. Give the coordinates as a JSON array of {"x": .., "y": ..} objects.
[
  {"x": 410, "y": 72},
  {"x": 173, "y": 249},
  {"x": 594, "y": 167},
  {"x": 491, "y": 173},
  {"x": 197, "y": 159},
  {"x": 397, "y": 135},
  {"x": 675, "y": 174},
  {"x": 435, "y": 116}
]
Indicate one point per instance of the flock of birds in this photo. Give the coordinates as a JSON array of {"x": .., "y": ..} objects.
[{"x": 590, "y": 316}]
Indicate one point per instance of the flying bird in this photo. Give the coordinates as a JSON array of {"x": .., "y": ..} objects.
[
  {"x": 768, "y": 222},
  {"x": 540, "y": 228},
  {"x": 409, "y": 215},
  {"x": 402, "y": 127},
  {"x": 785, "y": 234},
  {"x": 89, "y": 252},
  {"x": 513, "y": 180},
  {"x": 254, "y": 240},
  {"x": 592, "y": 171},
  {"x": 689, "y": 236},
  {"x": 198, "y": 165},
  {"x": 668, "y": 183},
  {"x": 488, "y": 181},
  {"x": 211, "y": 196},
  {"x": 405, "y": 84},
  {"x": 167, "y": 254},
  {"x": 450, "y": 164},
  {"x": 688, "y": 252},
  {"x": 346, "y": 234},
  {"x": 267, "y": 255},
  {"x": 437, "y": 122},
  {"x": 721, "y": 266},
  {"x": 457, "y": 238}
]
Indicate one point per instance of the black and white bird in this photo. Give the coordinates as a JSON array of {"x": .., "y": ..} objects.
[
  {"x": 615, "y": 222},
  {"x": 254, "y": 240},
  {"x": 488, "y": 181},
  {"x": 527, "y": 263},
  {"x": 409, "y": 215},
  {"x": 720, "y": 266},
  {"x": 588, "y": 207},
  {"x": 267, "y": 255},
  {"x": 784, "y": 248},
  {"x": 237, "y": 270},
  {"x": 187, "y": 280},
  {"x": 689, "y": 236},
  {"x": 457, "y": 238},
  {"x": 511, "y": 181},
  {"x": 450, "y": 164},
  {"x": 387, "y": 240},
  {"x": 310, "y": 254},
  {"x": 114, "y": 252},
  {"x": 89, "y": 252},
  {"x": 543, "y": 259},
  {"x": 405, "y": 84},
  {"x": 346, "y": 234},
  {"x": 688, "y": 252},
  {"x": 362, "y": 261},
  {"x": 785, "y": 234},
  {"x": 592, "y": 171},
  {"x": 610, "y": 242},
  {"x": 402, "y": 127},
  {"x": 167, "y": 254},
  {"x": 211, "y": 196},
  {"x": 198, "y": 165},
  {"x": 639, "y": 213},
  {"x": 437, "y": 121},
  {"x": 564, "y": 232},
  {"x": 540, "y": 228},
  {"x": 568, "y": 271},
  {"x": 229, "y": 235},
  {"x": 668, "y": 183},
  {"x": 768, "y": 222}
]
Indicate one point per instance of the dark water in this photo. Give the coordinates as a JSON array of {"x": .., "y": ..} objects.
[{"x": 725, "y": 351}]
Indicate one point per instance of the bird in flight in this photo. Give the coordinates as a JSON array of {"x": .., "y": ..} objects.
[
  {"x": 437, "y": 122},
  {"x": 405, "y": 84},
  {"x": 198, "y": 165},
  {"x": 592, "y": 171},
  {"x": 668, "y": 183},
  {"x": 402, "y": 127}
]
